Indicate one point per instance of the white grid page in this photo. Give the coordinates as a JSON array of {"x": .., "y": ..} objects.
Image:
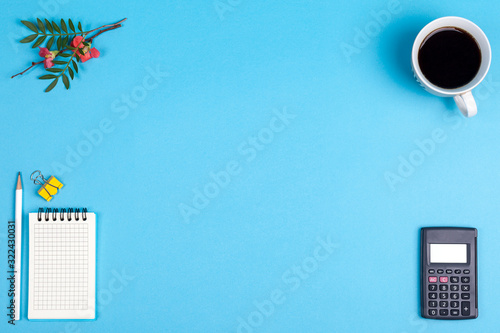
[{"x": 62, "y": 267}]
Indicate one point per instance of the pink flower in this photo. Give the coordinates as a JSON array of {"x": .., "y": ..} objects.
[
  {"x": 48, "y": 55},
  {"x": 76, "y": 41},
  {"x": 95, "y": 52},
  {"x": 87, "y": 51}
]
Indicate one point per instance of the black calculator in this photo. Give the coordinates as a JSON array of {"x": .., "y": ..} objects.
[{"x": 448, "y": 277}]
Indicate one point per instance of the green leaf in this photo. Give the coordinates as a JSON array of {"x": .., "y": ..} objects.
[
  {"x": 40, "y": 25},
  {"x": 39, "y": 41},
  {"x": 71, "y": 73},
  {"x": 29, "y": 39},
  {"x": 69, "y": 47},
  {"x": 59, "y": 43},
  {"x": 65, "y": 55},
  {"x": 75, "y": 66},
  {"x": 50, "y": 42},
  {"x": 56, "y": 28},
  {"x": 71, "y": 26},
  {"x": 59, "y": 62},
  {"x": 65, "y": 81},
  {"x": 47, "y": 77},
  {"x": 52, "y": 85},
  {"x": 63, "y": 26},
  {"x": 54, "y": 70},
  {"x": 80, "y": 26},
  {"x": 65, "y": 41},
  {"x": 30, "y": 26},
  {"x": 81, "y": 52},
  {"x": 49, "y": 26}
]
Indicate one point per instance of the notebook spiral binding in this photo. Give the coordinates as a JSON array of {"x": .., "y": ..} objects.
[{"x": 62, "y": 214}]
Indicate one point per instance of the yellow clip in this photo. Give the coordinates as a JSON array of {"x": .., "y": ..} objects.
[{"x": 49, "y": 187}]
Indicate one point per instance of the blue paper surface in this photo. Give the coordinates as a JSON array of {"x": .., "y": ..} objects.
[{"x": 255, "y": 166}]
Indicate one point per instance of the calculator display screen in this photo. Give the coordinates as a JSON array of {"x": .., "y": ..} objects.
[{"x": 448, "y": 253}]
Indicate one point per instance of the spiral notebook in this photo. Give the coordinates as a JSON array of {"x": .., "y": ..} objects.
[{"x": 62, "y": 263}]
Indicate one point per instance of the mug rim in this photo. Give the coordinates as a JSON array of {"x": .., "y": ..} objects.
[{"x": 436, "y": 24}]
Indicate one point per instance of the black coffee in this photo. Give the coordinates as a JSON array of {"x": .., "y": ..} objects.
[{"x": 449, "y": 57}]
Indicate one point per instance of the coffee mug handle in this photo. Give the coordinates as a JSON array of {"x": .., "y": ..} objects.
[{"x": 466, "y": 104}]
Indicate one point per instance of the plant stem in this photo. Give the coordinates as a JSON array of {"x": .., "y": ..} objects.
[
  {"x": 111, "y": 27},
  {"x": 107, "y": 25},
  {"x": 27, "y": 69},
  {"x": 104, "y": 30}
]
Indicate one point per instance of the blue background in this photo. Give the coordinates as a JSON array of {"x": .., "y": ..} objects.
[{"x": 323, "y": 175}]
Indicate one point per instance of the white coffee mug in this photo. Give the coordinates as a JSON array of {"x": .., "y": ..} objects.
[{"x": 462, "y": 95}]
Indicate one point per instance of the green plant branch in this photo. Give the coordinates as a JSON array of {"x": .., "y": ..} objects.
[
  {"x": 71, "y": 58},
  {"x": 80, "y": 32},
  {"x": 110, "y": 27}
]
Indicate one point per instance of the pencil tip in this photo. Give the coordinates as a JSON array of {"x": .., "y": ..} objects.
[{"x": 19, "y": 183}]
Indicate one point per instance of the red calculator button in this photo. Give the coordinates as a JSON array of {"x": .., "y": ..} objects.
[
  {"x": 443, "y": 279},
  {"x": 433, "y": 279}
]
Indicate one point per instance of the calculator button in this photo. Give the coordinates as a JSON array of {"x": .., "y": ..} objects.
[
  {"x": 443, "y": 287},
  {"x": 454, "y": 312},
  {"x": 465, "y": 296},
  {"x": 449, "y": 271},
  {"x": 454, "y": 304},
  {"x": 431, "y": 271},
  {"x": 465, "y": 308},
  {"x": 433, "y": 279},
  {"x": 457, "y": 271},
  {"x": 465, "y": 287},
  {"x": 443, "y": 295},
  {"x": 443, "y": 312},
  {"x": 454, "y": 287},
  {"x": 440, "y": 271},
  {"x": 466, "y": 271},
  {"x": 433, "y": 287},
  {"x": 465, "y": 279},
  {"x": 433, "y": 312},
  {"x": 454, "y": 279},
  {"x": 434, "y": 304},
  {"x": 432, "y": 295},
  {"x": 443, "y": 304},
  {"x": 444, "y": 279},
  {"x": 454, "y": 296}
]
